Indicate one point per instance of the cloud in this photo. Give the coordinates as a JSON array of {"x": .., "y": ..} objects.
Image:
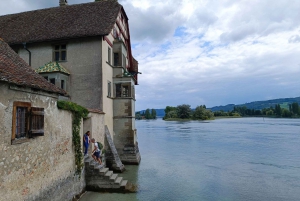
[
  {"x": 155, "y": 24},
  {"x": 208, "y": 51},
  {"x": 294, "y": 39}
]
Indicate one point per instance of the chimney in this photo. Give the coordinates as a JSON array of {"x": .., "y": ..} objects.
[{"x": 63, "y": 2}]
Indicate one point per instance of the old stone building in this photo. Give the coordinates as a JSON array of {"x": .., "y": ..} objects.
[
  {"x": 84, "y": 49},
  {"x": 36, "y": 152}
]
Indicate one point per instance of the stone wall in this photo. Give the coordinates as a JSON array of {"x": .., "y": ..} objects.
[
  {"x": 125, "y": 134},
  {"x": 43, "y": 167}
]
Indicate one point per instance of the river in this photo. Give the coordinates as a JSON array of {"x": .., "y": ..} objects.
[{"x": 241, "y": 159}]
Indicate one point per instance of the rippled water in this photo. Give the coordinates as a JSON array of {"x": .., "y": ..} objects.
[{"x": 227, "y": 159}]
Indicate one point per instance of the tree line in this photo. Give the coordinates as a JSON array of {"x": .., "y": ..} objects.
[
  {"x": 184, "y": 111},
  {"x": 147, "y": 114},
  {"x": 292, "y": 111}
]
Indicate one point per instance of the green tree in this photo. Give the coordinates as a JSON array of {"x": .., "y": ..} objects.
[
  {"x": 295, "y": 108},
  {"x": 171, "y": 114},
  {"x": 202, "y": 113},
  {"x": 168, "y": 114},
  {"x": 148, "y": 114},
  {"x": 277, "y": 110},
  {"x": 184, "y": 111},
  {"x": 269, "y": 113},
  {"x": 286, "y": 113},
  {"x": 153, "y": 113},
  {"x": 138, "y": 115}
]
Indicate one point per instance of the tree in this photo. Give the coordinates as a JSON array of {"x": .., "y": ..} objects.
[
  {"x": 153, "y": 113},
  {"x": 295, "y": 108},
  {"x": 138, "y": 115},
  {"x": 277, "y": 110},
  {"x": 201, "y": 113},
  {"x": 286, "y": 113},
  {"x": 147, "y": 114},
  {"x": 168, "y": 114},
  {"x": 184, "y": 111}
]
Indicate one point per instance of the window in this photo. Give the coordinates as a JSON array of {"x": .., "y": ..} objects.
[
  {"x": 52, "y": 80},
  {"x": 109, "y": 55},
  {"x": 21, "y": 122},
  {"x": 108, "y": 89},
  {"x": 62, "y": 84},
  {"x": 116, "y": 59},
  {"x": 27, "y": 121},
  {"x": 46, "y": 77},
  {"x": 123, "y": 90},
  {"x": 60, "y": 53}
]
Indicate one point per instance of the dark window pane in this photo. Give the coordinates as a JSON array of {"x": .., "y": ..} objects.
[
  {"x": 118, "y": 90},
  {"x": 21, "y": 122},
  {"x": 52, "y": 80},
  {"x": 63, "y": 55},
  {"x": 56, "y": 56},
  {"x": 46, "y": 77},
  {"x": 56, "y": 47},
  {"x": 63, "y": 47},
  {"x": 116, "y": 59},
  {"x": 62, "y": 84}
]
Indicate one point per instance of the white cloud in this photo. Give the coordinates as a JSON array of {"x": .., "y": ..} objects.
[{"x": 223, "y": 51}]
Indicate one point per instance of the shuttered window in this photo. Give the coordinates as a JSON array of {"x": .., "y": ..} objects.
[
  {"x": 27, "y": 122},
  {"x": 37, "y": 122}
]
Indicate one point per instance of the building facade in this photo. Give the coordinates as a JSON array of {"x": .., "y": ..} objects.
[{"x": 90, "y": 46}]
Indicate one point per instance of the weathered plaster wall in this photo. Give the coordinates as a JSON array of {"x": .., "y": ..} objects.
[
  {"x": 107, "y": 72},
  {"x": 95, "y": 124},
  {"x": 84, "y": 60},
  {"x": 42, "y": 168}
]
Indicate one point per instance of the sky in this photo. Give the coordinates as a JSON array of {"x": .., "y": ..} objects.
[{"x": 207, "y": 52}]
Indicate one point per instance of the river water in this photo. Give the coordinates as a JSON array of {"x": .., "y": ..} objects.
[{"x": 242, "y": 159}]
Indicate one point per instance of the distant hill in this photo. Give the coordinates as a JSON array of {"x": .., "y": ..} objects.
[{"x": 256, "y": 105}]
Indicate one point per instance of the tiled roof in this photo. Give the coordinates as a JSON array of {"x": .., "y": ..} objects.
[
  {"x": 64, "y": 22},
  {"x": 15, "y": 70},
  {"x": 52, "y": 67}
]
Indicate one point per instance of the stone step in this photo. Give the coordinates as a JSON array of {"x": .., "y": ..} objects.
[
  {"x": 123, "y": 184},
  {"x": 113, "y": 177},
  {"x": 119, "y": 180},
  {"x": 108, "y": 174},
  {"x": 98, "y": 166},
  {"x": 88, "y": 160},
  {"x": 103, "y": 171}
]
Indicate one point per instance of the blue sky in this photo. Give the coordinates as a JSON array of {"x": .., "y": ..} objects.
[{"x": 208, "y": 52}]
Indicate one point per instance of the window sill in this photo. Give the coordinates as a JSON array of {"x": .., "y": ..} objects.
[{"x": 19, "y": 141}]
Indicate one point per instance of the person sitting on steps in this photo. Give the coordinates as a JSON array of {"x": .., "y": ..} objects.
[{"x": 96, "y": 152}]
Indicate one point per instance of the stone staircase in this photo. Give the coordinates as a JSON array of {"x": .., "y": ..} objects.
[{"x": 101, "y": 179}]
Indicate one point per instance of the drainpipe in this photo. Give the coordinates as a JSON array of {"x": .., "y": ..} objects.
[{"x": 24, "y": 44}]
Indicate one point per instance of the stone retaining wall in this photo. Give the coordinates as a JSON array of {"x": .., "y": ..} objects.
[{"x": 43, "y": 168}]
